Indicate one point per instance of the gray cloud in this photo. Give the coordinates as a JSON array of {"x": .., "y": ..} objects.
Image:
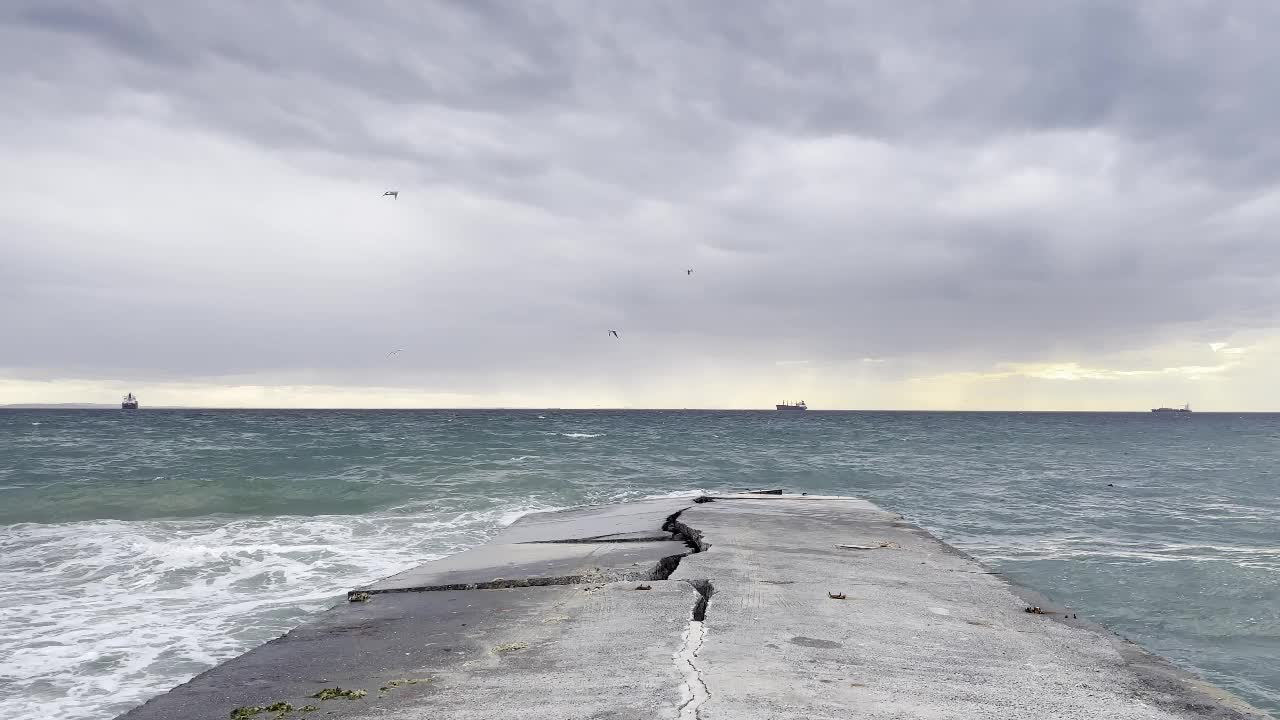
[
  {"x": 935, "y": 181},
  {"x": 129, "y": 33}
]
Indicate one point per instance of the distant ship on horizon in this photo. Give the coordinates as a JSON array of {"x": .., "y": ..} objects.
[
  {"x": 788, "y": 407},
  {"x": 129, "y": 403},
  {"x": 1184, "y": 409}
]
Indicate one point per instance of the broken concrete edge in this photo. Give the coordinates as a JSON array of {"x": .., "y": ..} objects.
[
  {"x": 661, "y": 570},
  {"x": 691, "y": 536},
  {"x": 601, "y": 539},
  {"x": 1169, "y": 686},
  {"x": 1162, "y": 683},
  {"x": 1184, "y": 688},
  {"x": 705, "y": 590},
  {"x": 781, "y": 494}
]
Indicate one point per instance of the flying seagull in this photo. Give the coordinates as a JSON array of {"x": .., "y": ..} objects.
[
  {"x": 395, "y": 352},
  {"x": 395, "y": 194},
  {"x": 614, "y": 333},
  {"x": 689, "y": 271}
]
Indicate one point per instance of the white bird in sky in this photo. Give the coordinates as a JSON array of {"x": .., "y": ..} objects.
[
  {"x": 614, "y": 333},
  {"x": 395, "y": 194},
  {"x": 395, "y": 352}
]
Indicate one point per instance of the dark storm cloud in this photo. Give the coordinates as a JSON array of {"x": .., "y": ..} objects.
[{"x": 983, "y": 181}]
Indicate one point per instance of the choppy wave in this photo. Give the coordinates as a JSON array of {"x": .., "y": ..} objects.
[
  {"x": 103, "y": 614},
  {"x": 137, "y": 550}
]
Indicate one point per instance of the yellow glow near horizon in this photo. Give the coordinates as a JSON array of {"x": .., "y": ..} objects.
[{"x": 1222, "y": 376}]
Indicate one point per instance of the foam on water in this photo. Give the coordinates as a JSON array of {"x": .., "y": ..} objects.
[
  {"x": 138, "y": 549},
  {"x": 103, "y": 614},
  {"x": 518, "y": 460}
]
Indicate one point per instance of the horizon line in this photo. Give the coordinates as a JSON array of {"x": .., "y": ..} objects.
[{"x": 111, "y": 406}]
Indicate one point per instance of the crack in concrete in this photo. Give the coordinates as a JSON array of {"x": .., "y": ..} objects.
[
  {"x": 661, "y": 571},
  {"x": 600, "y": 539},
  {"x": 666, "y": 566},
  {"x": 693, "y": 690},
  {"x": 705, "y": 591},
  {"x": 691, "y": 536},
  {"x": 499, "y": 584}
]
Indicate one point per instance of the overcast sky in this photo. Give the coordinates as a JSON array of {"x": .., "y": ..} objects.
[{"x": 995, "y": 205}]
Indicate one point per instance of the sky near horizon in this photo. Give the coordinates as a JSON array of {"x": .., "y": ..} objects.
[{"x": 998, "y": 205}]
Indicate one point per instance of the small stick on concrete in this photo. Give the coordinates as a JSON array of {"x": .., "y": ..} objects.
[{"x": 835, "y": 596}]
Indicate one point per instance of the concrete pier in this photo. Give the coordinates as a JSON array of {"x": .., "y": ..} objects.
[{"x": 732, "y": 607}]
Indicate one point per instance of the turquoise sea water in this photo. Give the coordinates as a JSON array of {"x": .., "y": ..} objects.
[{"x": 137, "y": 549}]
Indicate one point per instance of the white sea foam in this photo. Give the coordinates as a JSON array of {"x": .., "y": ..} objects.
[
  {"x": 518, "y": 459},
  {"x": 168, "y": 599},
  {"x": 677, "y": 494},
  {"x": 513, "y": 515},
  {"x": 581, "y": 435}
]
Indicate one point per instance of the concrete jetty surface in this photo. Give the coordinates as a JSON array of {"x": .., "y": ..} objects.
[{"x": 731, "y": 607}]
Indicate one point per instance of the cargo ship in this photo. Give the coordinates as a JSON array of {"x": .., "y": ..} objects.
[
  {"x": 129, "y": 403},
  {"x": 1184, "y": 409},
  {"x": 788, "y": 407}
]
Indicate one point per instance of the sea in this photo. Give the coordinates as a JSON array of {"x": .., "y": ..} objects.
[{"x": 138, "y": 549}]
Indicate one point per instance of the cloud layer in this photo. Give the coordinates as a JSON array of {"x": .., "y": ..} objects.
[{"x": 194, "y": 198}]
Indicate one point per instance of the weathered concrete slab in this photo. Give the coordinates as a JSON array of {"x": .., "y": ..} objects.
[
  {"x": 525, "y": 649},
  {"x": 916, "y": 630},
  {"x": 608, "y": 654},
  {"x": 645, "y": 517},
  {"x": 923, "y": 632},
  {"x": 564, "y": 652},
  {"x": 538, "y": 564}
]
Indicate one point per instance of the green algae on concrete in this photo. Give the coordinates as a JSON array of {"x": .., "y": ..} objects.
[
  {"x": 510, "y": 647},
  {"x": 337, "y": 692},
  {"x": 248, "y": 711}
]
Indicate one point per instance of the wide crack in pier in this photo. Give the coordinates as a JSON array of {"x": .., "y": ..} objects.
[
  {"x": 693, "y": 689},
  {"x": 608, "y": 555}
]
